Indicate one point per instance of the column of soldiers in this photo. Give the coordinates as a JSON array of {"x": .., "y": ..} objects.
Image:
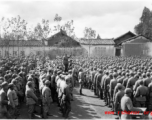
[{"x": 123, "y": 83}]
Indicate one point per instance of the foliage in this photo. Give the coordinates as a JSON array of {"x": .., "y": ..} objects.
[
  {"x": 42, "y": 30},
  {"x": 89, "y": 33},
  {"x": 57, "y": 19},
  {"x": 67, "y": 27},
  {"x": 145, "y": 25},
  {"x": 15, "y": 28}
]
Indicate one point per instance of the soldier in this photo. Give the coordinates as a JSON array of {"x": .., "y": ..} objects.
[
  {"x": 12, "y": 101},
  {"x": 31, "y": 98},
  {"x": 66, "y": 62},
  {"x": 125, "y": 80},
  {"x": 99, "y": 77},
  {"x": 4, "y": 101},
  {"x": 71, "y": 84},
  {"x": 126, "y": 105},
  {"x": 120, "y": 80},
  {"x": 66, "y": 98},
  {"x": 141, "y": 95},
  {"x": 117, "y": 100},
  {"x": 95, "y": 82},
  {"x": 147, "y": 80},
  {"x": 106, "y": 76},
  {"x": 53, "y": 86},
  {"x": 75, "y": 75},
  {"x": 46, "y": 99},
  {"x": 81, "y": 79},
  {"x": 113, "y": 83},
  {"x": 106, "y": 88}
]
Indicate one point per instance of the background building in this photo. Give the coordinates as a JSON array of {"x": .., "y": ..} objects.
[{"x": 98, "y": 46}]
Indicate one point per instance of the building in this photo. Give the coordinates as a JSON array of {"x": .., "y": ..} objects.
[
  {"x": 62, "y": 40},
  {"x": 136, "y": 46},
  {"x": 64, "y": 44},
  {"x": 20, "y": 47},
  {"x": 98, "y": 46},
  {"x": 130, "y": 44},
  {"x": 119, "y": 40}
]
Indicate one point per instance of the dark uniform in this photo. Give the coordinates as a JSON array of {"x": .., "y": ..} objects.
[
  {"x": 117, "y": 100},
  {"x": 141, "y": 95}
]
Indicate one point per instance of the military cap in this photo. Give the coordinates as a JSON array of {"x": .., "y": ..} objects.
[
  {"x": 47, "y": 82},
  {"x": 10, "y": 85},
  {"x": 4, "y": 84},
  {"x": 29, "y": 83},
  {"x": 143, "y": 75},
  {"x": 30, "y": 79},
  {"x": 119, "y": 86},
  {"x": 115, "y": 75},
  {"x": 141, "y": 82},
  {"x": 148, "y": 74},
  {"x": 131, "y": 73},
  {"x": 128, "y": 90}
]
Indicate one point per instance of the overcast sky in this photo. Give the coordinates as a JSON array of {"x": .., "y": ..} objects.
[{"x": 109, "y": 18}]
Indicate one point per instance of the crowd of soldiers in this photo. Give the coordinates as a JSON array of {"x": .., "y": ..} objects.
[{"x": 124, "y": 83}]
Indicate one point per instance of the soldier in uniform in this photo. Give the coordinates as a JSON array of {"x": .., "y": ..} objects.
[
  {"x": 46, "y": 99},
  {"x": 12, "y": 101},
  {"x": 106, "y": 88},
  {"x": 141, "y": 95},
  {"x": 4, "y": 101},
  {"x": 66, "y": 62},
  {"x": 106, "y": 76},
  {"x": 117, "y": 100},
  {"x": 31, "y": 98},
  {"x": 113, "y": 83},
  {"x": 81, "y": 79},
  {"x": 99, "y": 77},
  {"x": 53, "y": 86},
  {"x": 125, "y": 80},
  {"x": 126, "y": 104},
  {"x": 147, "y": 80},
  {"x": 66, "y": 97}
]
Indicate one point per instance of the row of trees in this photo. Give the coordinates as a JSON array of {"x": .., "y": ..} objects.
[{"x": 17, "y": 28}]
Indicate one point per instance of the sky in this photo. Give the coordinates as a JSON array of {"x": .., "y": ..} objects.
[{"x": 110, "y": 18}]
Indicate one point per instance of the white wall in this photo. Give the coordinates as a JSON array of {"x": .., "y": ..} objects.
[
  {"x": 98, "y": 50},
  {"x": 27, "y": 50}
]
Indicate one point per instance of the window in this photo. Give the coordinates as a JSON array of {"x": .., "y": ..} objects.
[{"x": 14, "y": 53}]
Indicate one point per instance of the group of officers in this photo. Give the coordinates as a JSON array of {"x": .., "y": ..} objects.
[{"x": 124, "y": 83}]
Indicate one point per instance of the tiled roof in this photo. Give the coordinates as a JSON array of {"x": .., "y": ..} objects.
[
  {"x": 20, "y": 43},
  {"x": 124, "y": 35},
  {"x": 61, "y": 39},
  {"x": 97, "y": 41},
  {"x": 136, "y": 37}
]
